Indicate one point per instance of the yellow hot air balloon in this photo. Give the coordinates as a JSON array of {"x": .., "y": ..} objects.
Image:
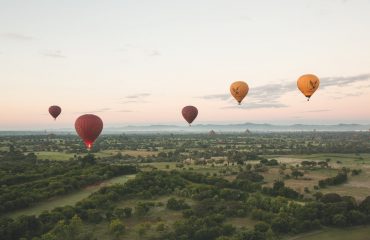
[
  {"x": 308, "y": 84},
  {"x": 239, "y": 90}
]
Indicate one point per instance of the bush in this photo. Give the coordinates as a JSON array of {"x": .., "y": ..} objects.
[
  {"x": 116, "y": 227},
  {"x": 174, "y": 204},
  {"x": 261, "y": 227},
  {"x": 94, "y": 216},
  {"x": 340, "y": 178},
  {"x": 339, "y": 220}
]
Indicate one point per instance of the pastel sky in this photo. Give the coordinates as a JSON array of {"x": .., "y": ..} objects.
[{"x": 140, "y": 62}]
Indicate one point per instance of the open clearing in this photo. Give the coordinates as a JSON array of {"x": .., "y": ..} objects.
[
  {"x": 69, "y": 199},
  {"x": 357, "y": 233},
  {"x": 57, "y": 156},
  {"x": 357, "y": 186},
  {"x": 63, "y": 156}
]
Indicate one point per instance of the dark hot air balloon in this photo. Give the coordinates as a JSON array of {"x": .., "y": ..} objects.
[
  {"x": 55, "y": 111},
  {"x": 189, "y": 113},
  {"x": 88, "y": 127}
]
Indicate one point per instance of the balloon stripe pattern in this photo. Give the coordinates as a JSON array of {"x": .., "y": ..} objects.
[
  {"x": 89, "y": 127},
  {"x": 189, "y": 113},
  {"x": 55, "y": 111}
]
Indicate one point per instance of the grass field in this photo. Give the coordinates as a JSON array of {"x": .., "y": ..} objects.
[
  {"x": 242, "y": 222},
  {"x": 62, "y": 156},
  {"x": 358, "y": 233},
  {"x": 69, "y": 199},
  {"x": 57, "y": 156},
  {"x": 357, "y": 186}
]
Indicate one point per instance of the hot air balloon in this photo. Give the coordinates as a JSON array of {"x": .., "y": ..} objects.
[
  {"x": 308, "y": 84},
  {"x": 239, "y": 90},
  {"x": 88, "y": 127},
  {"x": 55, "y": 111},
  {"x": 189, "y": 113}
]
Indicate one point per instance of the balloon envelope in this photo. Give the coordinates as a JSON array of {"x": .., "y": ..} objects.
[
  {"x": 55, "y": 111},
  {"x": 189, "y": 113},
  {"x": 308, "y": 84},
  {"x": 239, "y": 90},
  {"x": 88, "y": 127}
]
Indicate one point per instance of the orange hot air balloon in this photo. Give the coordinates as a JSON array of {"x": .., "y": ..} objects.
[
  {"x": 189, "y": 113},
  {"x": 308, "y": 84},
  {"x": 89, "y": 127},
  {"x": 55, "y": 111},
  {"x": 239, "y": 90}
]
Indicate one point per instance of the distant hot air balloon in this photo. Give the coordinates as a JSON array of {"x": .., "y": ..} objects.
[
  {"x": 55, "y": 111},
  {"x": 239, "y": 90},
  {"x": 308, "y": 84},
  {"x": 189, "y": 113},
  {"x": 88, "y": 127}
]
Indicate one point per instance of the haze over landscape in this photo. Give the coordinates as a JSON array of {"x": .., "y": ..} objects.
[
  {"x": 140, "y": 62},
  {"x": 184, "y": 120}
]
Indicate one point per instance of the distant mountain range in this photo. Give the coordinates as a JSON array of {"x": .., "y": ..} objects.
[
  {"x": 253, "y": 127},
  {"x": 205, "y": 128}
]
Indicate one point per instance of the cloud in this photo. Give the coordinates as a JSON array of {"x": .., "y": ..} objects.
[
  {"x": 256, "y": 105},
  {"x": 343, "y": 81},
  {"x": 136, "y": 98},
  {"x": 246, "y": 18},
  {"x": 16, "y": 36},
  {"x": 362, "y": 87},
  {"x": 316, "y": 111},
  {"x": 126, "y": 47},
  {"x": 53, "y": 54},
  {"x": 139, "y": 95},
  {"x": 125, "y": 111},
  {"x": 134, "y": 101},
  {"x": 130, "y": 101},
  {"x": 216, "y": 96},
  {"x": 271, "y": 91},
  {"x": 265, "y": 96},
  {"x": 154, "y": 53},
  {"x": 353, "y": 94},
  {"x": 268, "y": 96},
  {"x": 139, "y": 49},
  {"x": 96, "y": 111}
]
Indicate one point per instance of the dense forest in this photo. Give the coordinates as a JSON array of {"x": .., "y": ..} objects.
[
  {"x": 24, "y": 180},
  {"x": 215, "y": 199}
]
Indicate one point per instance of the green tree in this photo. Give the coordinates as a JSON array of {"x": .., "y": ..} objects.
[
  {"x": 116, "y": 227},
  {"x": 261, "y": 227},
  {"x": 339, "y": 220},
  {"x": 94, "y": 216},
  {"x": 128, "y": 212},
  {"x": 119, "y": 213},
  {"x": 296, "y": 173}
]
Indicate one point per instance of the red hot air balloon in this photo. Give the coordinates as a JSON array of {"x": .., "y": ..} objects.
[
  {"x": 88, "y": 127},
  {"x": 55, "y": 111},
  {"x": 189, "y": 113}
]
